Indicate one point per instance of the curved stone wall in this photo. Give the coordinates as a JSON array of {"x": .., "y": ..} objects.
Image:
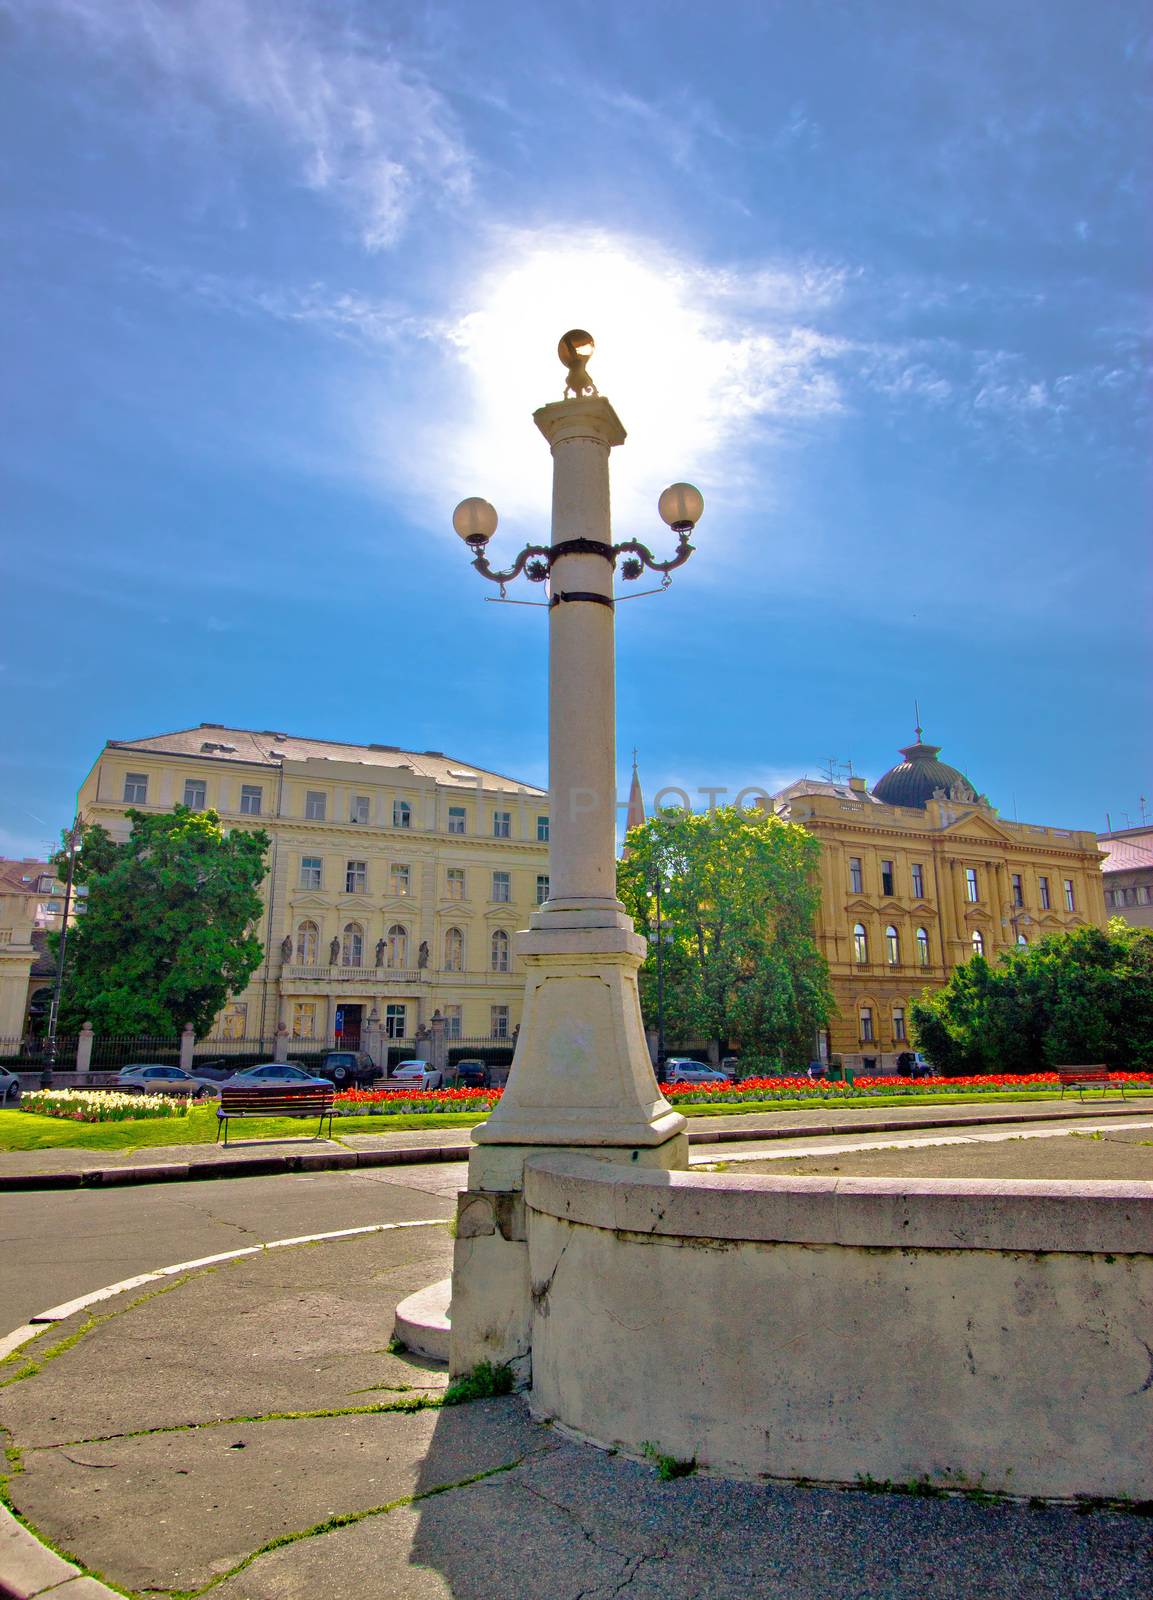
[{"x": 974, "y": 1333}]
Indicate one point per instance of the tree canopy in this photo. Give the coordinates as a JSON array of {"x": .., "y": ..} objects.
[
  {"x": 167, "y": 936},
  {"x": 1073, "y": 998},
  {"x": 739, "y": 895}
]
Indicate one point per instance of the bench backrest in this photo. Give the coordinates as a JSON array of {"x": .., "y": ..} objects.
[
  {"x": 271, "y": 1102},
  {"x": 1096, "y": 1074}
]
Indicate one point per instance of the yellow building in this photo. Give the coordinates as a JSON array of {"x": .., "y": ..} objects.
[
  {"x": 31, "y": 906},
  {"x": 918, "y": 875},
  {"x": 396, "y": 877}
]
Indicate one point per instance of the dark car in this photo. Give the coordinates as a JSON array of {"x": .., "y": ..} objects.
[
  {"x": 472, "y": 1074},
  {"x": 347, "y": 1068}
]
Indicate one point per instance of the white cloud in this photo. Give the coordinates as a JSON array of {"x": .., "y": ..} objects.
[
  {"x": 365, "y": 127},
  {"x": 698, "y": 364}
]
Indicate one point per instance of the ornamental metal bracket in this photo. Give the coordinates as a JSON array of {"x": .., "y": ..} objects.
[{"x": 536, "y": 562}]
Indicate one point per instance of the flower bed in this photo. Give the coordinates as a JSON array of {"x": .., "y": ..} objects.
[
  {"x": 101, "y": 1105},
  {"x": 393, "y": 1102}
]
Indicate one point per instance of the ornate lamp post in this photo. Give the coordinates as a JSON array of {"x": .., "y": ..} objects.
[{"x": 581, "y": 1077}]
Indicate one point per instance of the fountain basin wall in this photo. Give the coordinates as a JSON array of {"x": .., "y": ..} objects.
[{"x": 976, "y": 1334}]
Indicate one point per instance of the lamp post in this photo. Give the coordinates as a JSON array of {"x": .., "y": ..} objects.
[
  {"x": 581, "y": 1076},
  {"x": 75, "y": 835}
]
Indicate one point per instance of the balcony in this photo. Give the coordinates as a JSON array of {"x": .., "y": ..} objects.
[{"x": 360, "y": 975}]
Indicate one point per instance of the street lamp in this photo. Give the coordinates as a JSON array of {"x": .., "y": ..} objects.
[
  {"x": 581, "y": 1077},
  {"x": 75, "y": 835}
]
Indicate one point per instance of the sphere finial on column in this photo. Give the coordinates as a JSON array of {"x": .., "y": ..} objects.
[{"x": 574, "y": 350}]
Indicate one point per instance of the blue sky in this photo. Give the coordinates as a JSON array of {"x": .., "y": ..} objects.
[{"x": 283, "y": 283}]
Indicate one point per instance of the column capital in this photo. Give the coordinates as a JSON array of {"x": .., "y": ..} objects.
[{"x": 591, "y": 417}]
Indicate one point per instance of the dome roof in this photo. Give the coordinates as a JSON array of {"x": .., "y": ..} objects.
[{"x": 917, "y": 778}]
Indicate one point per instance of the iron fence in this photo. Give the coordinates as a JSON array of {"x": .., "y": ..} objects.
[{"x": 30, "y": 1053}]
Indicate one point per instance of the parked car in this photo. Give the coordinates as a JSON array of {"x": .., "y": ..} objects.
[
  {"x": 679, "y": 1069},
  {"x": 472, "y": 1074},
  {"x": 274, "y": 1075},
  {"x": 9, "y": 1088},
  {"x": 144, "y": 1078},
  {"x": 348, "y": 1067},
  {"x": 416, "y": 1074}
]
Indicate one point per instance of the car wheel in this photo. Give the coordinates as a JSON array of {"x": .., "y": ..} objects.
[{"x": 340, "y": 1074}]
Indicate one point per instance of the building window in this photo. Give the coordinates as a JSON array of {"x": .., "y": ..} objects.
[
  {"x": 860, "y": 944},
  {"x": 1110, "y": 898},
  {"x": 892, "y": 946},
  {"x": 356, "y": 877},
  {"x": 234, "y": 1021},
  {"x": 315, "y": 805},
  {"x": 195, "y": 793},
  {"x": 971, "y": 890},
  {"x": 502, "y": 886},
  {"x": 251, "y": 799},
  {"x": 396, "y": 1020},
  {"x": 886, "y": 877},
  {"x": 398, "y": 946},
  {"x": 136, "y": 788},
  {"x": 304, "y": 1019},
  {"x": 502, "y": 824},
  {"x": 399, "y": 878},
  {"x": 1070, "y": 897},
  {"x": 541, "y": 888},
  {"x": 500, "y": 944},
  {"x": 352, "y": 946},
  {"x": 1021, "y": 939},
  {"x": 1018, "y": 890},
  {"x": 311, "y": 872},
  {"x": 978, "y": 942},
  {"x": 1043, "y": 885},
  {"x": 918, "y": 881},
  {"x": 1143, "y": 896},
  {"x": 456, "y": 816},
  {"x": 923, "y": 946},
  {"x": 452, "y": 1022},
  {"x": 899, "y": 1034},
  {"x": 308, "y": 944},
  {"x": 401, "y": 814},
  {"x": 498, "y": 1022},
  {"x": 358, "y": 808},
  {"x": 454, "y": 882},
  {"x": 454, "y": 950},
  {"x": 866, "y": 1024},
  {"x": 542, "y": 830},
  {"x": 856, "y": 877}
]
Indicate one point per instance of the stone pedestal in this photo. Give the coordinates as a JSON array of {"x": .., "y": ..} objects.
[{"x": 581, "y": 1078}]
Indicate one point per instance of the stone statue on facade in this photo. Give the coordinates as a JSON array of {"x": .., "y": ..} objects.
[
  {"x": 422, "y": 954},
  {"x": 381, "y": 947},
  {"x": 286, "y": 948},
  {"x": 334, "y": 953}
]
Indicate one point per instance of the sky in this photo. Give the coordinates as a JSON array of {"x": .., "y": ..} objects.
[{"x": 283, "y": 283}]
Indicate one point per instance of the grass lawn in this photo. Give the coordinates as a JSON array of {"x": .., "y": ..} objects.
[{"x": 23, "y": 1130}]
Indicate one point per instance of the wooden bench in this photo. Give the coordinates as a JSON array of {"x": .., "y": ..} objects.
[
  {"x": 1082, "y": 1078},
  {"x": 307, "y": 1100}
]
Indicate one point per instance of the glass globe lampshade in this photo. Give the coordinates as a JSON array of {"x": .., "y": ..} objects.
[
  {"x": 681, "y": 506},
  {"x": 475, "y": 520}
]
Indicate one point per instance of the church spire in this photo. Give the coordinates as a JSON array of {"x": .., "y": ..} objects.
[{"x": 636, "y": 811}]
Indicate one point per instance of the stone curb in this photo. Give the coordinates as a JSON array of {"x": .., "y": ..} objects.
[
  {"x": 259, "y": 1166},
  {"x": 28, "y": 1568}
]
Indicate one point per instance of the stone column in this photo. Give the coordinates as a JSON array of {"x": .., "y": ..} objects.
[
  {"x": 84, "y": 1048},
  {"x": 581, "y": 1076},
  {"x": 187, "y": 1046},
  {"x": 280, "y": 1048}
]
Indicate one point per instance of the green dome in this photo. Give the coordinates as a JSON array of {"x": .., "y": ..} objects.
[{"x": 916, "y": 779}]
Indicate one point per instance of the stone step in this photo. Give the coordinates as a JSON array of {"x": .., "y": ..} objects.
[{"x": 422, "y": 1321}]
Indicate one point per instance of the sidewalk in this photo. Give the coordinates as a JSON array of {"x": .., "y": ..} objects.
[
  {"x": 72, "y": 1168},
  {"x": 244, "y": 1430}
]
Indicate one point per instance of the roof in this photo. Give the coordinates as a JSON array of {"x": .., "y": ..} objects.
[
  {"x": 839, "y": 791},
  {"x": 267, "y": 747},
  {"x": 915, "y": 780},
  {"x": 21, "y": 877},
  {"x": 1130, "y": 853}
]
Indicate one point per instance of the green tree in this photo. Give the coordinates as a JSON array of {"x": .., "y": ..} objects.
[
  {"x": 167, "y": 936},
  {"x": 1072, "y": 998},
  {"x": 739, "y": 897}
]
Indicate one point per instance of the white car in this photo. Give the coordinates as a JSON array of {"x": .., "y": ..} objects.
[
  {"x": 679, "y": 1069},
  {"x": 417, "y": 1075}
]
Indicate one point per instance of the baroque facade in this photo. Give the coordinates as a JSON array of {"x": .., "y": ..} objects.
[
  {"x": 918, "y": 875},
  {"x": 396, "y": 881}
]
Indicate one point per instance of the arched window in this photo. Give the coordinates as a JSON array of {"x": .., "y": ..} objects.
[
  {"x": 892, "y": 946},
  {"x": 397, "y": 945},
  {"x": 860, "y": 944},
  {"x": 454, "y": 950},
  {"x": 1021, "y": 939},
  {"x": 307, "y": 944},
  {"x": 923, "y": 946},
  {"x": 500, "y": 951},
  {"x": 978, "y": 942},
  {"x": 352, "y": 946},
  {"x": 401, "y": 814}
]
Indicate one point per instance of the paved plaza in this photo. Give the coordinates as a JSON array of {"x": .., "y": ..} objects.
[{"x": 244, "y": 1429}]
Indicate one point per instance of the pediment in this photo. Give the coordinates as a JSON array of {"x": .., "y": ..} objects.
[
  {"x": 978, "y": 825},
  {"x": 310, "y": 902},
  {"x": 357, "y": 902}
]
